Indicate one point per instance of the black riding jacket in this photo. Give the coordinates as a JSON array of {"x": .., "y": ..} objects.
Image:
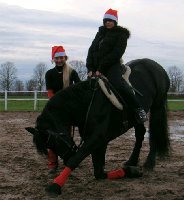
[{"x": 107, "y": 48}]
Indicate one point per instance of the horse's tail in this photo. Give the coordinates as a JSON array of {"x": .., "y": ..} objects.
[{"x": 158, "y": 127}]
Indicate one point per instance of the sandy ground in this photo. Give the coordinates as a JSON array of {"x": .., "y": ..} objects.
[{"x": 24, "y": 175}]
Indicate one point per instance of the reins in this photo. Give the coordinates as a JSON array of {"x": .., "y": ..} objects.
[
  {"x": 109, "y": 86},
  {"x": 89, "y": 107}
]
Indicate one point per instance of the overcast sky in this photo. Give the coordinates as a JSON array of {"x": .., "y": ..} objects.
[{"x": 29, "y": 28}]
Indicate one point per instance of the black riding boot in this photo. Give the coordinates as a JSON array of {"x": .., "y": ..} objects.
[
  {"x": 128, "y": 95},
  {"x": 114, "y": 75}
]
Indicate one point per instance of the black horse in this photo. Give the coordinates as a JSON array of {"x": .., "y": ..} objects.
[{"x": 99, "y": 121}]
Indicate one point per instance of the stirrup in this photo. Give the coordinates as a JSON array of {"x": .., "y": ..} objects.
[{"x": 141, "y": 115}]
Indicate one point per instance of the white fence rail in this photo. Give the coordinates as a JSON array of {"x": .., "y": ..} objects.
[
  {"x": 6, "y": 96},
  {"x": 36, "y": 96}
]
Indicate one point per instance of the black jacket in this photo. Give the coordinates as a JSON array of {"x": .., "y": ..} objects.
[
  {"x": 107, "y": 48},
  {"x": 54, "y": 79}
]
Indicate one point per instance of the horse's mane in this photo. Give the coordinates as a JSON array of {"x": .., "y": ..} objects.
[
  {"x": 69, "y": 101},
  {"x": 77, "y": 91}
]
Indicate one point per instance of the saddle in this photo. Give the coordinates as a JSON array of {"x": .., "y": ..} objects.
[{"x": 109, "y": 90}]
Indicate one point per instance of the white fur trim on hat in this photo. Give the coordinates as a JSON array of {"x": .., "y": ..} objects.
[
  {"x": 108, "y": 16},
  {"x": 57, "y": 54}
]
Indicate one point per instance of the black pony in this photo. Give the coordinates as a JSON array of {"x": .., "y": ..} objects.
[{"x": 99, "y": 121}]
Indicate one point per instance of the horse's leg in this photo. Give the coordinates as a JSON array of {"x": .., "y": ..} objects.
[
  {"x": 150, "y": 161},
  {"x": 98, "y": 158},
  {"x": 139, "y": 134},
  {"x": 96, "y": 133},
  {"x": 86, "y": 149},
  {"x": 159, "y": 135}
]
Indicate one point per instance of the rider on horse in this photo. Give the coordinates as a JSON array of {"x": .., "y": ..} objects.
[{"x": 104, "y": 57}]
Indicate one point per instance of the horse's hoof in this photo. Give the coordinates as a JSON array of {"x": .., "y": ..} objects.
[
  {"x": 149, "y": 165},
  {"x": 52, "y": 171},
  {"x": 53, "y": 190},
  {"x": 132, "y": 172},
  {"x": 101, "y": 176},
  {"x": 130, "y": 163}
]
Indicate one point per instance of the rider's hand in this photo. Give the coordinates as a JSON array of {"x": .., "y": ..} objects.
[
  {"x": 98, "y": 73},
  {"x": 90, "y": 73}
]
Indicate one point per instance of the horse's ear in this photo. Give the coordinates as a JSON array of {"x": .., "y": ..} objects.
[{"x": 31, "y": 130}]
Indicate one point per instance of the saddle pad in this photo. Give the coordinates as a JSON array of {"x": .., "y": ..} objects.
[{"x": 111, "y": 96}]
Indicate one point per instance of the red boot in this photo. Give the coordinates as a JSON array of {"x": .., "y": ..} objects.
[{"x": 52, "y": 161}]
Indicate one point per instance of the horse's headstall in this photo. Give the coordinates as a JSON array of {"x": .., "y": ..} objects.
[
  {"x": 61, "y": 137},
  {"x": 33, "y": 131},
  {"x": 64, "y": 145}
]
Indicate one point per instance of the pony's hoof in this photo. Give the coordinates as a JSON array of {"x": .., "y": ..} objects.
[
  {"x": 52, "y": 171},
  {"x": 53, "y": 190},
  {"x": 132, "y": 172},
  {"x": 101, "y": 176},
  {"x": 149, "y": 165},
  {"x": 130, "y": 163}
]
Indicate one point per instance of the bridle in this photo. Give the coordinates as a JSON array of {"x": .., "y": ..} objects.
[{"x": 89, "y": 107}]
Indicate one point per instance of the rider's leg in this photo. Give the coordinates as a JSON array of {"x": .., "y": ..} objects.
[
  {"x": 114, "y": 75},
  {"x": 127, "y": 92}
]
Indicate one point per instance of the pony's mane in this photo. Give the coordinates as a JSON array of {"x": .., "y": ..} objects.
[
  {"x": 79, "y": 91},
  {"x": 77, "y": 88},
  {"x": 73, "y": 99}
]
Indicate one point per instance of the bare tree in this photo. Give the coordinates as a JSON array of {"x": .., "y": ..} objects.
[
  {"x": 7, "y": 75},
  {"x": 80, "y": 67},
  {"x": 39, "y": 76},
  {"x": 31, "y": 85},
  {"x": 176, "y": 78},
  {"x": 18, "y": 85}
]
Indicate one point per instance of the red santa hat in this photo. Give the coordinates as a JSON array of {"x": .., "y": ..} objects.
[
  {"x": 58, "y": 51},
  {"x": 111, "y": 14}
]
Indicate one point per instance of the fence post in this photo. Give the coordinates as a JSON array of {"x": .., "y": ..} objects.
[
  {"x": 35, "y": 100},
  {"x": 5, "y": 100}
]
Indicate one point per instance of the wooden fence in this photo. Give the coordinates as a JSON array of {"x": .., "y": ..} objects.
[{"x": 36, "y": 96}]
